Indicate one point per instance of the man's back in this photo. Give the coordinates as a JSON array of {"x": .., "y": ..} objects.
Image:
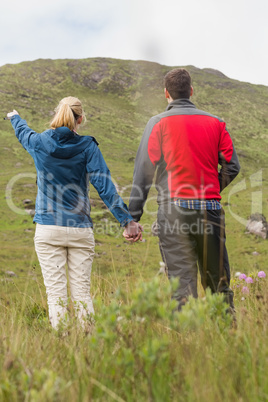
[
  {"x": 190, "y": 141},
  {"x": 186, "y": 145}
]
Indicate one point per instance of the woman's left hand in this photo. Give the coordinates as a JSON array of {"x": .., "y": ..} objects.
[{"x": 11, "y": 114}]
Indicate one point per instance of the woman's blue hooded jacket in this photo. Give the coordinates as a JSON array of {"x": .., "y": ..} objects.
[{"x": 65, "y": 163}]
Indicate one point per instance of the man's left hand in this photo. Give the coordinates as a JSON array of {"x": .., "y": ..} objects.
[{"x": 133, "y": 232}]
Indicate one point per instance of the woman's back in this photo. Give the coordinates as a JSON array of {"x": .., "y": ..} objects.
[
  {"x": 65, "y": 163},
  {"x": 61, "y": 158}
]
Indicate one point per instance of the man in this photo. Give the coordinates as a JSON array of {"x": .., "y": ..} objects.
[{"x": 184, "y": 146}]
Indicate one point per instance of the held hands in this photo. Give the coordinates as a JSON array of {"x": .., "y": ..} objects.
[
  {"x": 133, "y": 232},
  {"x": 11, "y": 114}
]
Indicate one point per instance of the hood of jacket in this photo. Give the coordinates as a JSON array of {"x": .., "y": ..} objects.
[{"x": 63, "y": 143}]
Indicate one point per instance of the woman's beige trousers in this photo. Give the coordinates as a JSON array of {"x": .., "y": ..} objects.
[{"x": 57, "y": 246}]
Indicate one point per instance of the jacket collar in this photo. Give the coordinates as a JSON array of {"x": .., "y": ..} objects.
[
  {"x": 65, "y": 132},
  {"x": 184, "y": 102}
]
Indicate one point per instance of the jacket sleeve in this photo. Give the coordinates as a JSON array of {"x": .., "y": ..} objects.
[
  {"x": 26, "y": 136},
  {"x": 100, "y": 178},
  {"x": 228, "y": 159},
  {"x": 148, "y": 155}
]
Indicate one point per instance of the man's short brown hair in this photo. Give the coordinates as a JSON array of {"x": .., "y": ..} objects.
[{"x": 178, "y": 83}]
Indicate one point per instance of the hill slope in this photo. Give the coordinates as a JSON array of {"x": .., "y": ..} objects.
[
  {"x": 116, "y": 91},
  {"x": 119, "y": 97}
]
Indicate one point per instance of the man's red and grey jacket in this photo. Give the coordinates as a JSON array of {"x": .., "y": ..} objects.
[{"x": 184, "y": 145}]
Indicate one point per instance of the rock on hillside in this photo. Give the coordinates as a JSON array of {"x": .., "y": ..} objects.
[{"x": 257, "y": 225}]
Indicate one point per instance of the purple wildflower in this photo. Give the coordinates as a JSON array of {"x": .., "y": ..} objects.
[
  {"x": 249, "y": 280},
  {"x": 242, "y": 276},
  {"x": 245, "y": 289},
  {"x": 261, "y": 274}
]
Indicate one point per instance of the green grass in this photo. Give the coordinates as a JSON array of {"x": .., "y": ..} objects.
[
  {"x": 138, "y": 349},
  {"x": 208, "y": 362}
]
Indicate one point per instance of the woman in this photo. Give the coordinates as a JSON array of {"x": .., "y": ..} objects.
[{"x": 65, "y": 163}]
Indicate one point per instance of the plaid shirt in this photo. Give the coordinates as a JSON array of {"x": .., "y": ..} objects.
[{"x": 198, "y": 204}]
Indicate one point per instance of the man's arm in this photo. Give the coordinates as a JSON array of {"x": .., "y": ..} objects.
[
  {"x": 148, "y": 155},
  {"x": 228, "y": 159}
]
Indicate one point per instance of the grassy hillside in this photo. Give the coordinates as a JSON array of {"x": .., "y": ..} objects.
[{"x": 119, "y": 97}]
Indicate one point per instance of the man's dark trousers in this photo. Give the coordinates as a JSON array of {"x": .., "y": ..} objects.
[{"x": 188, "y": 237}]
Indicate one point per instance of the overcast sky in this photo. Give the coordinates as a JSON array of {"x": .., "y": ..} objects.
[{"x": 228, "y": 35}]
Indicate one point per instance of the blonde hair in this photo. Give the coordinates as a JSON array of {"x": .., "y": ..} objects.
[{"x": 67, "y": 112}]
